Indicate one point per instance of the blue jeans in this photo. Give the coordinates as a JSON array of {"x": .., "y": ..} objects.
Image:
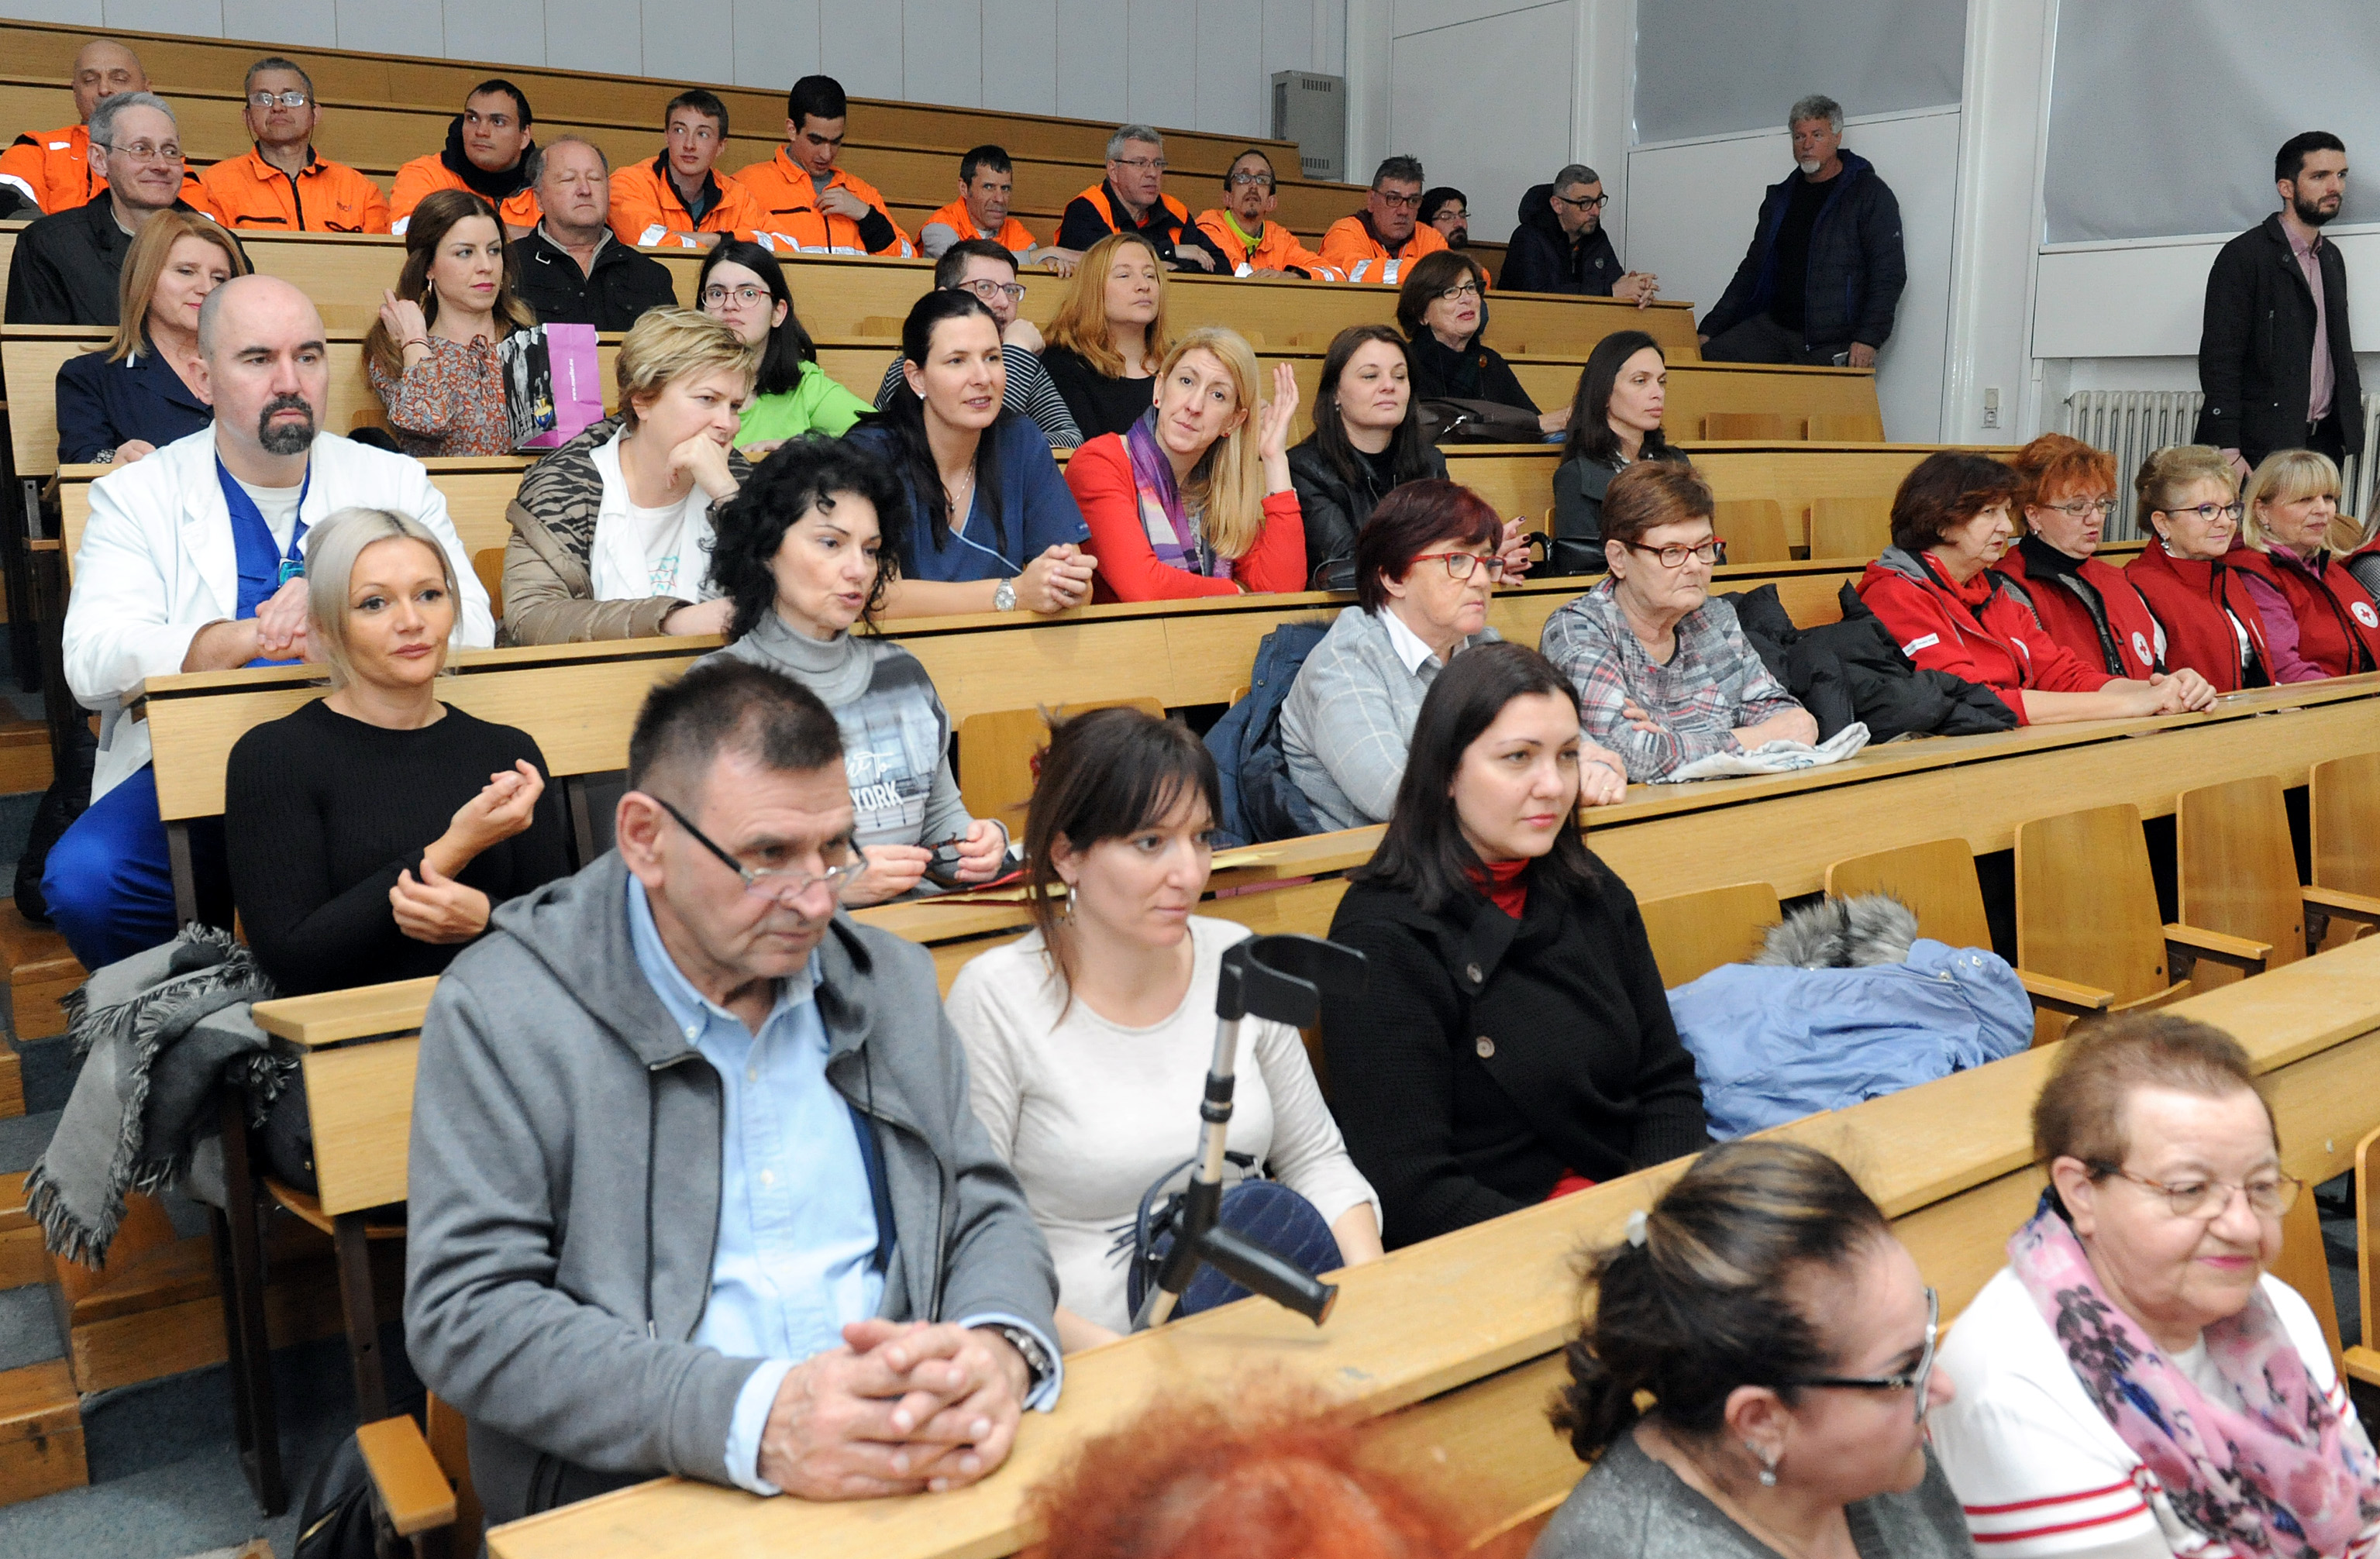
[{"x": 109, "y": 880}]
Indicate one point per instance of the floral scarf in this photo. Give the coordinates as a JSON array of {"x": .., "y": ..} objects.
[
  {"x": 2288, "y": 1477},
  {"x": 1173, "y": 535}
]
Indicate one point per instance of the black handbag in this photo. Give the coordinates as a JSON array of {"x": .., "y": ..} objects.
[
  {"x": 1446, "y": 420},
  {"x": 1264, "y": 1210}
]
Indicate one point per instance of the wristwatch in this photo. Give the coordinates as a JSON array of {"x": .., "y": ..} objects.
[
  {"x": 1037, "y": 1362},
  {"x": 1004, "y": 599}
]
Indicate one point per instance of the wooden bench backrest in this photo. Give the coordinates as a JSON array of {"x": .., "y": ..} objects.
[
  {"x": 2086, "y": 905},
  {"x": 1693, "y": 933},
  {"x": 2236, "y": 869},
  {"x": 2345, "y": 802},
  {"x": 1936, "y": 879}
]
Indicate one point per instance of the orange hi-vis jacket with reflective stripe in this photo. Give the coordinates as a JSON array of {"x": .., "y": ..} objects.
[
  {"x": 248, "y": 191},
  {"x": 427, "y": 176},
  {"x": 1013, "y": 235},
  {"x": 1350, "y": 248},
  {"x": 1278, "y": 250},
  {"x": 52, "y": 170},
  {"x": 647, "y": 209},
  {"x": 789, "y": 204}
]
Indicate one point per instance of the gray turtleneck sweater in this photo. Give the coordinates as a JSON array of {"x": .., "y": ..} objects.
[{"x": 896, "y": 736}]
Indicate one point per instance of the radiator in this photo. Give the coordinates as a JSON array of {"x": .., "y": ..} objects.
[{"x": 2134, "y": 424}]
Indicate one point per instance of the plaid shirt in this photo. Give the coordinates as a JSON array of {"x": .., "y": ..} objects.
[{"x": 1712, "y": 684}]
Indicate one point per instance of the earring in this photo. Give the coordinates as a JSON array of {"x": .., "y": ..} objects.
[{"x": 1767, "y": 1467}]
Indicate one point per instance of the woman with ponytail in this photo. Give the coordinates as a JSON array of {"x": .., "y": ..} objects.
[{"x": 1786, "y": 1340}]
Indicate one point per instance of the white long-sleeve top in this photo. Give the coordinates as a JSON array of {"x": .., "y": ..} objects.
[{"x": 1088, "y": 1112}]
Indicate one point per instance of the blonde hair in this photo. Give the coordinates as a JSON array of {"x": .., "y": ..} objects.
[
  {"x": 332, "y": 548},
  {"x": 2286, "y": 475},
  {"x": 2165, "y": 473},
  {"x": 1081, "y": 324},
  {"x": 145, "y": 261},
  {"x": 669, "y": 344},
  {"x": 1226, "y": 487}
]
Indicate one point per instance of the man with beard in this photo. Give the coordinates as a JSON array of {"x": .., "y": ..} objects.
[
  {"x": 193, "y": 561},
  {"x": 1561, "y": 245},
  {"x": 2274, "y": 355}
]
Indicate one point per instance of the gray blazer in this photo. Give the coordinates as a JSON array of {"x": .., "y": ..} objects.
[{"x": 565, "y": 1192}]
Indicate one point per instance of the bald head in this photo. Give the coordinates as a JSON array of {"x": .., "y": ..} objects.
[
  {"x": 103, "y": 69},
  {"x": 267, "y": 365}
]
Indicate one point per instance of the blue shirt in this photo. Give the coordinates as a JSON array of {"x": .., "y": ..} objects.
[
  {"x": 794, "y": 1261},
  {"x": 1037, "y": 511}
]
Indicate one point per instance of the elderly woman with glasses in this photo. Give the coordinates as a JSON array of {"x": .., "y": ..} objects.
[
  {"x": 2135, "y": 1372},
  {"x": 1786, "y": 1341},
  {"x": 1442, "y": 309},
  {"x": 2067, "y": 490},
  {"x": 2318, "y": 619},
  {"x": 1665, "y": 677},
  {"x": 2189, "y": 505},
  {"x": 1425, "y": 563},
  {"x": 1935, "y": 589}
]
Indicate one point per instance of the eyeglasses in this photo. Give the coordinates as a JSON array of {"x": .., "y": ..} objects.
[
  {"x": 784, "y": 884},
  {"x": 2268, "y": 1196},
  {"x": 1451, "y": 213},
  {"x": 992, "y": 292},
  {"x": 1241, "y": 181},
  {"x": 717, "y": 296},
  {"x": 1462, "y": 566},
  {"x": 142, "y": 151},
  {"x": 1460, "y": 291},
  {"x": 1402, "y": 203},
  {"x": 284, "y": 100},
  {"x": 1140, "y": 164},
  {"x": 2083, "y": 509},
  {"x": 2204, "y": 514},
  {"x": 1674, "y": 555},
  {"x": 1595, "y": 203},
  {"x": 1916, "y": 1381}
]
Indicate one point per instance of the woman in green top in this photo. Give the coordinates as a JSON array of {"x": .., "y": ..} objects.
[{"x": 742, "y": 284}]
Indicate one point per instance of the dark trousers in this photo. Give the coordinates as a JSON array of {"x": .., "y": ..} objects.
[
  {"x": 1762, "y": 340},
  {"x": 109, "y": 880},
  {"x": 2327, "y": 437}
]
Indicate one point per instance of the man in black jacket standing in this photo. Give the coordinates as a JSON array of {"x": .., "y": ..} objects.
[
  {"x": 1824, "y": 274},
  {"x": 1560, "y": 246},
  {"x": 2274, "y": 355},
  {"x": 569, "y": 267}
]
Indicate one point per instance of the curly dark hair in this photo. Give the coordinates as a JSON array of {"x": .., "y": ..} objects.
[{"x": 804, "y": 474}]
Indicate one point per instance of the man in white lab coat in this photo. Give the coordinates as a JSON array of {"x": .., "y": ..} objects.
[{"x": 192, "y": 562}]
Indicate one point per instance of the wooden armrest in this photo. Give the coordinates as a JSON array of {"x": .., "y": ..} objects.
[
  {"x": 2237, "y": 952},
  {"x": 2346, "y": 906},
  {"x": 2070, "y": 997},
  {"x": 406, "y": 1476},
  {"x": 2363, "y": 1364}
]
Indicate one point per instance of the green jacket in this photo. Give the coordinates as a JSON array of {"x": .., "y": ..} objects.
[{"x": 816, "y": 404}]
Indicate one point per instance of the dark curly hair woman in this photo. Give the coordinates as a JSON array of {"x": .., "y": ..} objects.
[{"x": 801, "y": 553}]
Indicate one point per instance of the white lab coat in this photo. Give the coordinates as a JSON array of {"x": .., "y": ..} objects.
[{"x": 157, "y": 563}]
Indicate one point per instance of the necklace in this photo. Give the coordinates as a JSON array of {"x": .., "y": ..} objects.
[
  {"x": 1712, "y": 1489},
  {"x": 955, "y": 493}
]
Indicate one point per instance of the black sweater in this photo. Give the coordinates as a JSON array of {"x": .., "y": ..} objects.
[
  {"x": 1476, "y": 374},
  {"x": 320, "y": 812},
  {"x": 1488, "y": 1055},
  {"x": 1100, "y": 404}
]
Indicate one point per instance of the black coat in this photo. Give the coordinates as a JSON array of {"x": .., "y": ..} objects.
[
  {"x": 1542, "y": 258},
  {"x": 2255, "y": 348},
  {"x": 623, "y": 284},
  {"x": 1857, "y": 269},
  {"x": 102, "y": 405},
  {"x": 1336, "y": 509},
  {"x": 1853, "y": 670},
  {"x": 1476, "y": 374},
  {"x": 1579, "y": 487},
  {"x": 1486, "y": 1056},
  {"x": 68, "y": 266}
]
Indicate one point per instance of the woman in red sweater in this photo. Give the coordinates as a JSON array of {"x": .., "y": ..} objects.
[
  {"x": 2066, "y": 491},
  {"x": 1937, "y": 592},
  {"x": 1195, "y": 498}
]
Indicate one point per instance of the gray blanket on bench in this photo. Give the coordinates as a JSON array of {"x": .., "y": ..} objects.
[{"x": 157, "y": 1032}]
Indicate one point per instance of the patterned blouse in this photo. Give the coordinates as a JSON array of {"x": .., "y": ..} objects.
[{"x": 450, "y": 403}]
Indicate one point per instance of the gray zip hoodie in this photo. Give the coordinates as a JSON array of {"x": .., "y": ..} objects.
[{"x": 565, "y": 1192}]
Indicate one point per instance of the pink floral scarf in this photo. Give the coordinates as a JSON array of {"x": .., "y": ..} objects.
[{"x": 2287, "y": 1477}]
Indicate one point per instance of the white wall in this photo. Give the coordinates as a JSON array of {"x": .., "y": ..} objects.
[
  {"x": 1204, "y": 64},
  {"x": 1693, "y": 205}
]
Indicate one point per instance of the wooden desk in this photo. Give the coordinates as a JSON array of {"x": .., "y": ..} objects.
[{"x": 1453, "y": 1344}]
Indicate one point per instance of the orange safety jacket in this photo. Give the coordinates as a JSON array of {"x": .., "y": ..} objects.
[
  {"x": 427, "y": 176},
  {"x": 789, "y": 202},
  {"x": 52, "y": 170},
  {"x": 1278, "y": 248},
  {"x": 325, "y": 197},
  {"x": 1350, "y": 248},
  {"x": 647, "y": 209},
  {"x": 1013, "y": 235}
]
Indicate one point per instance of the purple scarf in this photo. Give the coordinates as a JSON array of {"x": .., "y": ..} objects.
[
  {"x": 1171, "y": 534},
  {"x": 2287, "y": 1477}
]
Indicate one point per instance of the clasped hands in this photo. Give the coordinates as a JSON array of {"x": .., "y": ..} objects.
[
  {"x": 899, "y": 1408},
  {"x": 434, "y": 908}
]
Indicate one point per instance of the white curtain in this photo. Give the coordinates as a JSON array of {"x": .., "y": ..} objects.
[{"x": 1707, "y": 68}]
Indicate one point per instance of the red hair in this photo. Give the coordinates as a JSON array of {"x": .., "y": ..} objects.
[
  {"x": 2054, "y": 466},
  {"x": 1191, "y": 1480}
]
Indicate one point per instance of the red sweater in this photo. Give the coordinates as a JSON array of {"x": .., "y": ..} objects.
[
  {"x": 2339, "y": 626},
  {"x": 1978, "y": 632},
  {"x": 2198, "y": 599},
  {"x": 2069, "y": 619},
  {"x": 1101, "y": 475}
]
